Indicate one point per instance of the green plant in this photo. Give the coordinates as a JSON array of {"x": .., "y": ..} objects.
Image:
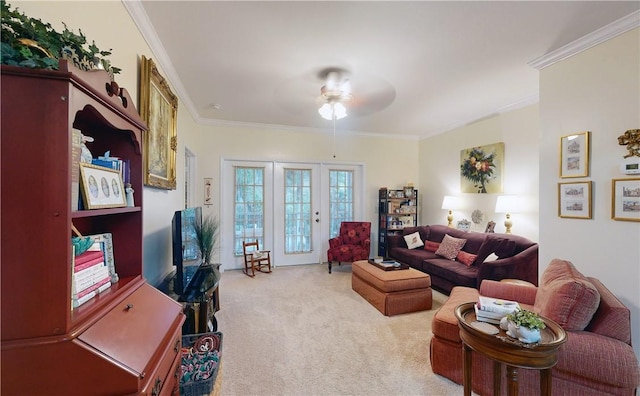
[
  {"x": 29, "y": 42},
  {"x": 207, "y": 237},
  {"x": 526, "y": 318}
]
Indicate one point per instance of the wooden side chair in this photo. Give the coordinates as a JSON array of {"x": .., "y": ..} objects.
[{"x": 255, "y": 259}]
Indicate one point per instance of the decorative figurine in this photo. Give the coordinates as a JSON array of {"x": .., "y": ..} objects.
[{"x": 129, "y": 194}]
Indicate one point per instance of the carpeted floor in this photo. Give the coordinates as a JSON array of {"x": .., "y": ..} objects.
[{"x": 303, "y": 331}]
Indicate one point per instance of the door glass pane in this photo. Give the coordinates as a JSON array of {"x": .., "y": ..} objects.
[
  {"x": 297, "y": 211},
  {"x": 248, "y": 207},
  {"x": 340, "y": 199}
]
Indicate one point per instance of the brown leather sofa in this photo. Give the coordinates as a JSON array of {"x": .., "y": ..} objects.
[{"x": 515, "y": 257}]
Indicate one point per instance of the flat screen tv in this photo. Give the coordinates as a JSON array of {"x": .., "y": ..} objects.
[{"x": 186, "y": 254}]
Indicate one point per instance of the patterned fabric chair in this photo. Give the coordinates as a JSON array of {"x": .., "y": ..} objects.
[{"x": 352, "y": 244}]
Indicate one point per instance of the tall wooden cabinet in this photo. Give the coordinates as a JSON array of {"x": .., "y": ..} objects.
[
  {"x": 397, "y": 209},
  {"x": 124, "y": 341}
]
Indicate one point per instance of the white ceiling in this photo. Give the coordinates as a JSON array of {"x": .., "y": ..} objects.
[{"x": 417, "y": 68}]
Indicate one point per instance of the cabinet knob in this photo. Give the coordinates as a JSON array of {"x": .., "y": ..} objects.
[
  {"x": 128, "y": 307},
  {"x": 157, "y": 387},
  {"x": 176, "y": 347}
]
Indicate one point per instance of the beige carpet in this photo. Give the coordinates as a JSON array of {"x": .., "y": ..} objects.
[{"x": 303, "y": 331}]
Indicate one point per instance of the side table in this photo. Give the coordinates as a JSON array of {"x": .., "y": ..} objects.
[{"x": 503, "y": 349}]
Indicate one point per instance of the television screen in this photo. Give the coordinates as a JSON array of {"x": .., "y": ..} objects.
[{"x": 186, "y": 254}]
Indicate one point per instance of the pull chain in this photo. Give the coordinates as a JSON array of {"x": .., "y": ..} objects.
[{"x": 334, "y": 136}]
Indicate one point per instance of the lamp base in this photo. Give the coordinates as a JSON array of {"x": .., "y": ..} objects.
[
  {"x": 450, "y": 219},
  {"x": 508, "y": 224}
]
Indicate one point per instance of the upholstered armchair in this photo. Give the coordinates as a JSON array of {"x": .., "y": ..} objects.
[{"x": 352, "y": 244}]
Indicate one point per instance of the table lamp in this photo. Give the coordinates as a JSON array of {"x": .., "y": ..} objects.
[
  {"x": 508, "y": 204},
  {"x": 450, "y": 203}
]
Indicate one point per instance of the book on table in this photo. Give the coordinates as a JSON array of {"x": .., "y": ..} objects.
[{"x": 491, "y": 310}]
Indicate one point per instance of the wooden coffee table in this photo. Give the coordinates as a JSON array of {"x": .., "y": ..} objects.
[{"x": 503, "y": 349}]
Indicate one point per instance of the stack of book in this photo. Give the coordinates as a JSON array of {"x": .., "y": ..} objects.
[
  {"x": 491, "y": 310},
  {"x": 90, "y": 276}
]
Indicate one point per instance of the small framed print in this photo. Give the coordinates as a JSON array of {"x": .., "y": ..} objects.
[
  {"x": 574, "y": 155},
  {"x": 574, "y": 200},
  {"x": 490, "y": 227},
  {"x": 464, "y": 225},
  {"x": 101, "y": 187},
  {"x": 625, "y": 197}
]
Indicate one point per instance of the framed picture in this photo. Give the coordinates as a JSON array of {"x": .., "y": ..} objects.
[
  {"x": 574, "y": 200},
  {"x": 574, "y": 155},
  {"x": 481, "y": 169},
  {"x": 464, "y": 225},
  {"x": 101, "y": 187},
  {"x": 625, "y": 197},
  {"x": 158, "y": 108},
  {"x": 490, "y": 227}
]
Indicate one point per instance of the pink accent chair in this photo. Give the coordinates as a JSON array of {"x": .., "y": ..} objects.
[{"x": 352, "y": 244}]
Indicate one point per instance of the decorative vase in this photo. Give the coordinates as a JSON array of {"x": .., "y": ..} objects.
[{"x": 523, "y": 334}]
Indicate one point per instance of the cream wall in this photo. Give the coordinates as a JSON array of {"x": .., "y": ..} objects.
[
  {"x": 108, "y": 24},
  {"x": 440, "y": 170},
  {"x": 388, "y": 162},
  {"x": 597, "y": 90}
]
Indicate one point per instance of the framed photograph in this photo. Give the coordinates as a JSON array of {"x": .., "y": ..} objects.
[
  {"x": 574, "y": 200},
  {"x": 101, "y": 187},
  {"x": 158, "y": 108},
  {"x": 490, "y": 227},
  {"x": 574, "y": 155},
  {"x": 625, "y": 197},
  {"x": 464, "y": 225}
]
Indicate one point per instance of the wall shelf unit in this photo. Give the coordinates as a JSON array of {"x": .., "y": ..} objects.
[{"x": 397, "y": 209}]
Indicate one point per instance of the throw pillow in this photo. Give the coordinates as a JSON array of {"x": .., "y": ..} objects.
[
  {"x": 450, "y": 247},
  {"x": 413, "y": 240},
  {"x": 466, "y": 258},
  {"x": 566, "y": 296},
  {"x": 431, "y": 246}
]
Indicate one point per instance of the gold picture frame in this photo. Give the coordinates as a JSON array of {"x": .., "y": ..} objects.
[
  {"x": 625, "y": 199},
  {"x": 159, "y": 109},
  {"x": 101, "y": 187},
  {"x": 574, "y": 200},
  {"x": 574, "y": 155}
]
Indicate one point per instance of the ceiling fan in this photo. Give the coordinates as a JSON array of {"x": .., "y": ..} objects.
[{"x": 334, "y": 94}]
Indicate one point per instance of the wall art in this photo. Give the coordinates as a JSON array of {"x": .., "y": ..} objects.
[
  {"x": 574, "y": 200},
  {"x": 625, "y": 199},
  {"x": 574, "y": 155},
  {"x": 481, "y": 169},
  {"x": 158, "y": 108}
]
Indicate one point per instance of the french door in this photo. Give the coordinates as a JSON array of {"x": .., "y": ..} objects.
[{"x": 292, "y": 208}]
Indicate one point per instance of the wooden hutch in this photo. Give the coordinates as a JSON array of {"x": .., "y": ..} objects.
[{"x": 127, "y": 339}]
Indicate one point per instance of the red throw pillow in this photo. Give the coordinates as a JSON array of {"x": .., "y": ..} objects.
[
  {"x": 466, "y": 258},
  {"x": 431, "y": 246}
]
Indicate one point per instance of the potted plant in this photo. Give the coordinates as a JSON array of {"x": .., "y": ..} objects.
[
  {"x": 29, "y": 42},
  {"x": 524, "y": 325},
  {"x": 207, "y": 237}
]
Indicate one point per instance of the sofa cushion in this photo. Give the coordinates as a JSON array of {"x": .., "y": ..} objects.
[
  {"x": 454, "y": 272},
  {"x": 450, "y": 247},
  {"x": 413, "y": 240},
  {"x": 501, "y": 247},
  {"x": 431, "y": 246},
  {"x": 613, "y": 318},
  {"x": 566, "y": 296},
  {"x": 422, "y": 230},
  {"x": 466, "y": 258}
]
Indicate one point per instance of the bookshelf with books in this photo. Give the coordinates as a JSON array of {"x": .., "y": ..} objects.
[
  {"x": 41, "y": 327},
  {"x": 397, "y": 209}
]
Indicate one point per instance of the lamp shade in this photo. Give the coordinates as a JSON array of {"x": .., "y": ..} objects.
[
  {"x": 508, "y": 204},
  {"x": 451, "y": 202}
]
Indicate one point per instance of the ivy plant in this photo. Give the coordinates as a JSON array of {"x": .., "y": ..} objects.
[
  {"x": 29, "y": 42},
  {"x": 526, "y": 318}
]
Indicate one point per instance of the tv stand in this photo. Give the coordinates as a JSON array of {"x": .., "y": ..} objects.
[{"x": 200, "y": 300}]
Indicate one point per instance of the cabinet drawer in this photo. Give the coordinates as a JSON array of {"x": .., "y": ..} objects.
[
  {"x": 161, "y": 380},
  {"x": 135, "y": 330}
]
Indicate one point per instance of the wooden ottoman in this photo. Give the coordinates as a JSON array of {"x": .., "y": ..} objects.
[{"x": 392, "y": 292}]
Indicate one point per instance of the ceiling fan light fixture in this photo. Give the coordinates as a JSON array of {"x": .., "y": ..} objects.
[{"x": 330, "y": 110}]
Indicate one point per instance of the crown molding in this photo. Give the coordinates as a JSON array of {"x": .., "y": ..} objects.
[
  {"x": 141, "y": 20},
  {"x": 592, "y": 39}
]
